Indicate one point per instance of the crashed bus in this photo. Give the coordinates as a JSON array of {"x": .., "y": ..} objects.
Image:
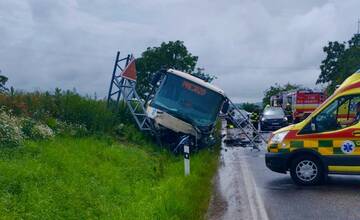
[
  {"x": 180, "y": 108},
  {"x": 184, "y": 104}
]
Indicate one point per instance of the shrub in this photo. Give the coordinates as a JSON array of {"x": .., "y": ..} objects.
[
  {"x": 52, "y": 123},
  {"x": 120, "y": 130},
  {"x": 128, "y": 132},
  {"x": 65, "y": 128},
  {"x": 35, "y": 130},
  {"x": 66, "y": 106},
  {"x": 27, "y": 125},
  {"x": 41, "y": 131},
  {"x": 10, "y": 131},
  {"x": 76, "y": 130}
]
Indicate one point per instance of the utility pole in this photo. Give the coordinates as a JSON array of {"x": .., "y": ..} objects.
[{"x": 358, "y": 26}]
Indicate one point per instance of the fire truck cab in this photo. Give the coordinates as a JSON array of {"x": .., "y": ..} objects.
[
  {"x": 302, "y": 102},
  {"x": 326, "y": 142}
]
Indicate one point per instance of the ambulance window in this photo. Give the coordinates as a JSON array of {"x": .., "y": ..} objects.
[
  {"x": 341, "y": 113},
  {"x": 353, "y": 105}
]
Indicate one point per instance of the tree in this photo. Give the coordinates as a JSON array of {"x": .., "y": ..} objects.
[
  {"x": 174, "y": 55},
  {"x": 251, "y": 107},
  {"x": 202, "y": 75},
  {"x": 342, "y": 60},
  {"x": 276, "y": 89},
  {"x": 3, "y": 80}
]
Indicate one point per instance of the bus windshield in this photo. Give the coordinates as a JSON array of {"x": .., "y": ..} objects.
[{"x": 188, "y": 101}]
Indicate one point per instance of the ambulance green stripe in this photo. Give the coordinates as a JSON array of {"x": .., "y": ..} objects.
[
  {"x": 273, "y": 146},
  {"x": 297, "y": 144},
  {"x": 326, "y": 143}
]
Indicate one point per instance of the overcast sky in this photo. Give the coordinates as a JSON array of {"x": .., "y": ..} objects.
[{"x": 247, "y": 44}]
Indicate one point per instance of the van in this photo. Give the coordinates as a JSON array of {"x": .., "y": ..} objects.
[{"x": 326, "y": 142}]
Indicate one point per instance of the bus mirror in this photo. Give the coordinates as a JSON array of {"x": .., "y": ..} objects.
[
  {"x": 225, "y": 107},
  {"x": 156, "y": 78}
]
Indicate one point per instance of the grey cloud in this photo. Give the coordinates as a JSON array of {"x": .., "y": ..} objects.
[{"x": 248, "y": 44}]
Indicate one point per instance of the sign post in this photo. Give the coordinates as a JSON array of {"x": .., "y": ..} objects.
[{"x": 187, "y": 159}]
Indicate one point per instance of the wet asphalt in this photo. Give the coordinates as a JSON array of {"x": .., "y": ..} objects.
[{"x": 245, "y": 189}]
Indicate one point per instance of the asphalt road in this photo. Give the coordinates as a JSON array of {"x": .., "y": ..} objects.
[{"x": 245, "y": 189}]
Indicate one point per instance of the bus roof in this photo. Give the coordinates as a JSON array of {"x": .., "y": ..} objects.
[{"x": 196, "y": 80}]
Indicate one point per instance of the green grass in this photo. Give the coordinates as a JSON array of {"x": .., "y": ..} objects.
[{"x": 87, "y": 178}]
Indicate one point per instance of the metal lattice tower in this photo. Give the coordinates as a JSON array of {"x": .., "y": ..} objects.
[
  {"x": 122, "y": 88},
  {"x": 252, "y": 135}
]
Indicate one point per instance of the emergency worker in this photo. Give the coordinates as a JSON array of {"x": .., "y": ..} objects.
[
  {"x": 288, "y": 112},
  {"x": 254, "y": 119},
  {"x": 228, "y": 120}
]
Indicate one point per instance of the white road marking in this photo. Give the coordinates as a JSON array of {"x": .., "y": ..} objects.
[{"x": 256, "y": 204}]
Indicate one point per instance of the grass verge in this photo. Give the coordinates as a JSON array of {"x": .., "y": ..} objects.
[{"x": 86, "y": 178}]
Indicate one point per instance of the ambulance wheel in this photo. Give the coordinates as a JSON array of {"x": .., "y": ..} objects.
[{"x": 307, "y": 170}]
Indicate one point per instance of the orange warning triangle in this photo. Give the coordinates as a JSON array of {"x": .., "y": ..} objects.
[{"x": 130, "y": 71}]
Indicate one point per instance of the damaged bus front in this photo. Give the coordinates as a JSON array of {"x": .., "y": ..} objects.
[{"x": 187, "y": 105}]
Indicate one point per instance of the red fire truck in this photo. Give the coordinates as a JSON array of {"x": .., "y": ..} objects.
[{"x": 301, "y": 102}]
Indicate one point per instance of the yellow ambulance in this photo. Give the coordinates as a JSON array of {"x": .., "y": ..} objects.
[{"x": 326, "y": 142}]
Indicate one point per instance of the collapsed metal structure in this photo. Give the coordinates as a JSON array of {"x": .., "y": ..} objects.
[
  {"x": 123, "y": 88},
  {"x": 252, "y": 136}
]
